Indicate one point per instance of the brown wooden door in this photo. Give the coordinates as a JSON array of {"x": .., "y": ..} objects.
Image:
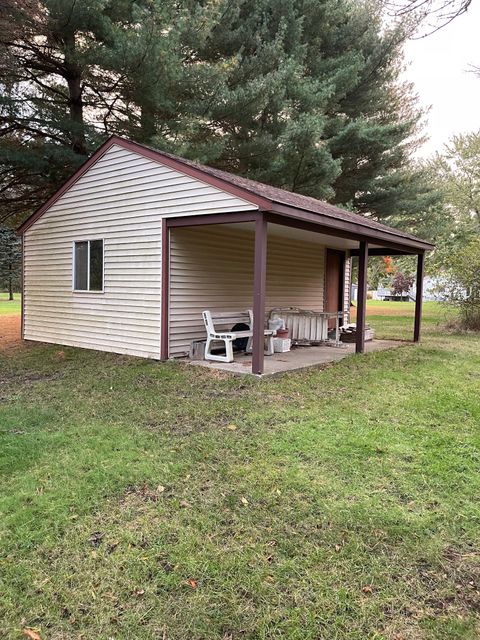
[{"x": 334, "y": 282}]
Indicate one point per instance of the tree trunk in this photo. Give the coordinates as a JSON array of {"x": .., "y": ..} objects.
[
  {"x": 147, "y": 123},
  {"x": 73, "y": 77},
  {"x": 75, "y": 103},
  {"x": 10, "y": 283}
]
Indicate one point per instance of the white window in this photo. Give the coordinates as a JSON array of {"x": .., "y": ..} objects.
[{"x": 88, "y": 265}]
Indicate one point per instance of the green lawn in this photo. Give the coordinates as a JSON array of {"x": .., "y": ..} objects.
[
  {"x": 9, "y": 306},
  {"x": 143, "y": 500}
]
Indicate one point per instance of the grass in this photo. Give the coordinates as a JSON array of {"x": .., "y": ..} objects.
[
  {"x": 9, "y": 306},
  {"x": 145, "y": 500},
  {"x": 394, "y": 320}
]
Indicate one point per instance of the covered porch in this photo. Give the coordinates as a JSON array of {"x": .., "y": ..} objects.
[
  {"x": 297, "y": 359},
  {"x": 263, "y": 259}
]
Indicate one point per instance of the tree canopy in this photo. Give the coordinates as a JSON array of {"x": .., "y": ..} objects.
[
  {"x": 454, "y": 220},
  {"x": 302, "y": 94}
]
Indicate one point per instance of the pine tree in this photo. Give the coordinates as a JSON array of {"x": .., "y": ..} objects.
[
  {"x": 312, "y": 102},
  {"x": 302, "y": 94},
  {"x": 58, "y": 96},
  {"x": 10, "y": 261},
  {"x": 43, "y": 97}
]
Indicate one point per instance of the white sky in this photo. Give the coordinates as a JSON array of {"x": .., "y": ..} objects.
[{"x": 438, "y": 66}]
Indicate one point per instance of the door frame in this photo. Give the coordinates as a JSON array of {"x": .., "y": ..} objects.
[{"x": 341, "y": 285}]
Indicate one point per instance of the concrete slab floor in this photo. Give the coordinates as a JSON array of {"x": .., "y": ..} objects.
[{"x": 297, "y": 358}]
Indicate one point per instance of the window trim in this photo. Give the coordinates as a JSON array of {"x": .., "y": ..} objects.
[{"x": 88, "y": 241}]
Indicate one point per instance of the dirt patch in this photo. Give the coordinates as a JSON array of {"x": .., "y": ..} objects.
[
  {"x": 10, "y": 328},
  {"x": 143, "y": 493}
]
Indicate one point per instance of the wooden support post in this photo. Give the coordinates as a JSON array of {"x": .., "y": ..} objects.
[
  {"x": 22, "y": 302},
  {"x": 259, "y": 288},
  {"x": 165, "y": 278},
  {"x": 362, "y": 296},
  {"x": 419, "y": 297}
]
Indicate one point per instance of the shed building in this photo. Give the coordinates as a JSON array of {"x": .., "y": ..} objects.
[{"x": 137, "y": 243}]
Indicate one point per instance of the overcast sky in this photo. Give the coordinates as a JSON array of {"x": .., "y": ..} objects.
[{"x": 438, "y": 66}]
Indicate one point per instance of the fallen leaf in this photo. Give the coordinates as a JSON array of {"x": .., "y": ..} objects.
[
  {"x": 244, "y": 500},
  {"x": 232, "y": 427},
  {"x": 192, "y": 583},
  {"x": 31, "y": 633}
]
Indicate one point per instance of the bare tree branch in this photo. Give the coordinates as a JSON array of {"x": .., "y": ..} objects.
[{"x": 430, "y": 15}]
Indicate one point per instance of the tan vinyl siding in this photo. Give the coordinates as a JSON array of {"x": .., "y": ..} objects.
[
  {"x": 212, "y": 268},
  {"x": 121, "y": 199}
]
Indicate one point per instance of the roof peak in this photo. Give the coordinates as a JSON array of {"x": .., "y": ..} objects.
[{"x": 262, "y": 196}]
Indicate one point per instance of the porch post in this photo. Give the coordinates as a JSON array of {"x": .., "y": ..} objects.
[
  {"x": 419, "y": 297},
  {"x": 164, "y": 294},
  {"x": 362, "y": 296},
  {"x": 259, "y": 287}
]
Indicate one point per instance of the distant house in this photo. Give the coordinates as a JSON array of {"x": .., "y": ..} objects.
[
  {"x": 431, "y": 290},
  {"x": 131, "y": 249},
  {"x": 385, "y": 293}
]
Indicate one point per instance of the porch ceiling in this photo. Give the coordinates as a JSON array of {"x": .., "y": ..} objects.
[
  {"x": 306, "y": 236},
  {"x": 347, "y": 234}
]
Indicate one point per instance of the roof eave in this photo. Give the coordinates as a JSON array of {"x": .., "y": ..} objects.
[
  {"x": 335, "y": 226},
  {"x": 83, "y": 168},
  {"x": 257, "y": 201},
  {"x": 353, "y": 230}
]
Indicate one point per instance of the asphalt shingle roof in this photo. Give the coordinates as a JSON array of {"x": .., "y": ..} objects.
[{"x": 289, "y": 198}]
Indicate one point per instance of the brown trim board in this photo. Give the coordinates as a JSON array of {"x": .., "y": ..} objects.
[
  {"x": 417, "y": 328},
  {"x": 362, "y": 298},
  {"x": 192, "y": 171},
  {"x": 22, "y": 306},
  {"x": 213, "y": 218},
  {"x": 165, "y": 293},
  {"x": 341, "y": 283},
  {"x": 259, "y": 293},
  {"x": 300, "y": 219},
  {"x": 385, "y": 251},
  {"x": 281, "y": 213},
  {"x": 156, "y": 156}
]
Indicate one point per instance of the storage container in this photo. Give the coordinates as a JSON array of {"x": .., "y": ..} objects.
[{"x": 281, "y": 345}]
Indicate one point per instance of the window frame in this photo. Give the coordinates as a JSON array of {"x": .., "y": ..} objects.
[{"x": 88, "y": 241}]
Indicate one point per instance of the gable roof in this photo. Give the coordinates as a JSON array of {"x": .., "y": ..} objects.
[{"x": 263, "y": 196}]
